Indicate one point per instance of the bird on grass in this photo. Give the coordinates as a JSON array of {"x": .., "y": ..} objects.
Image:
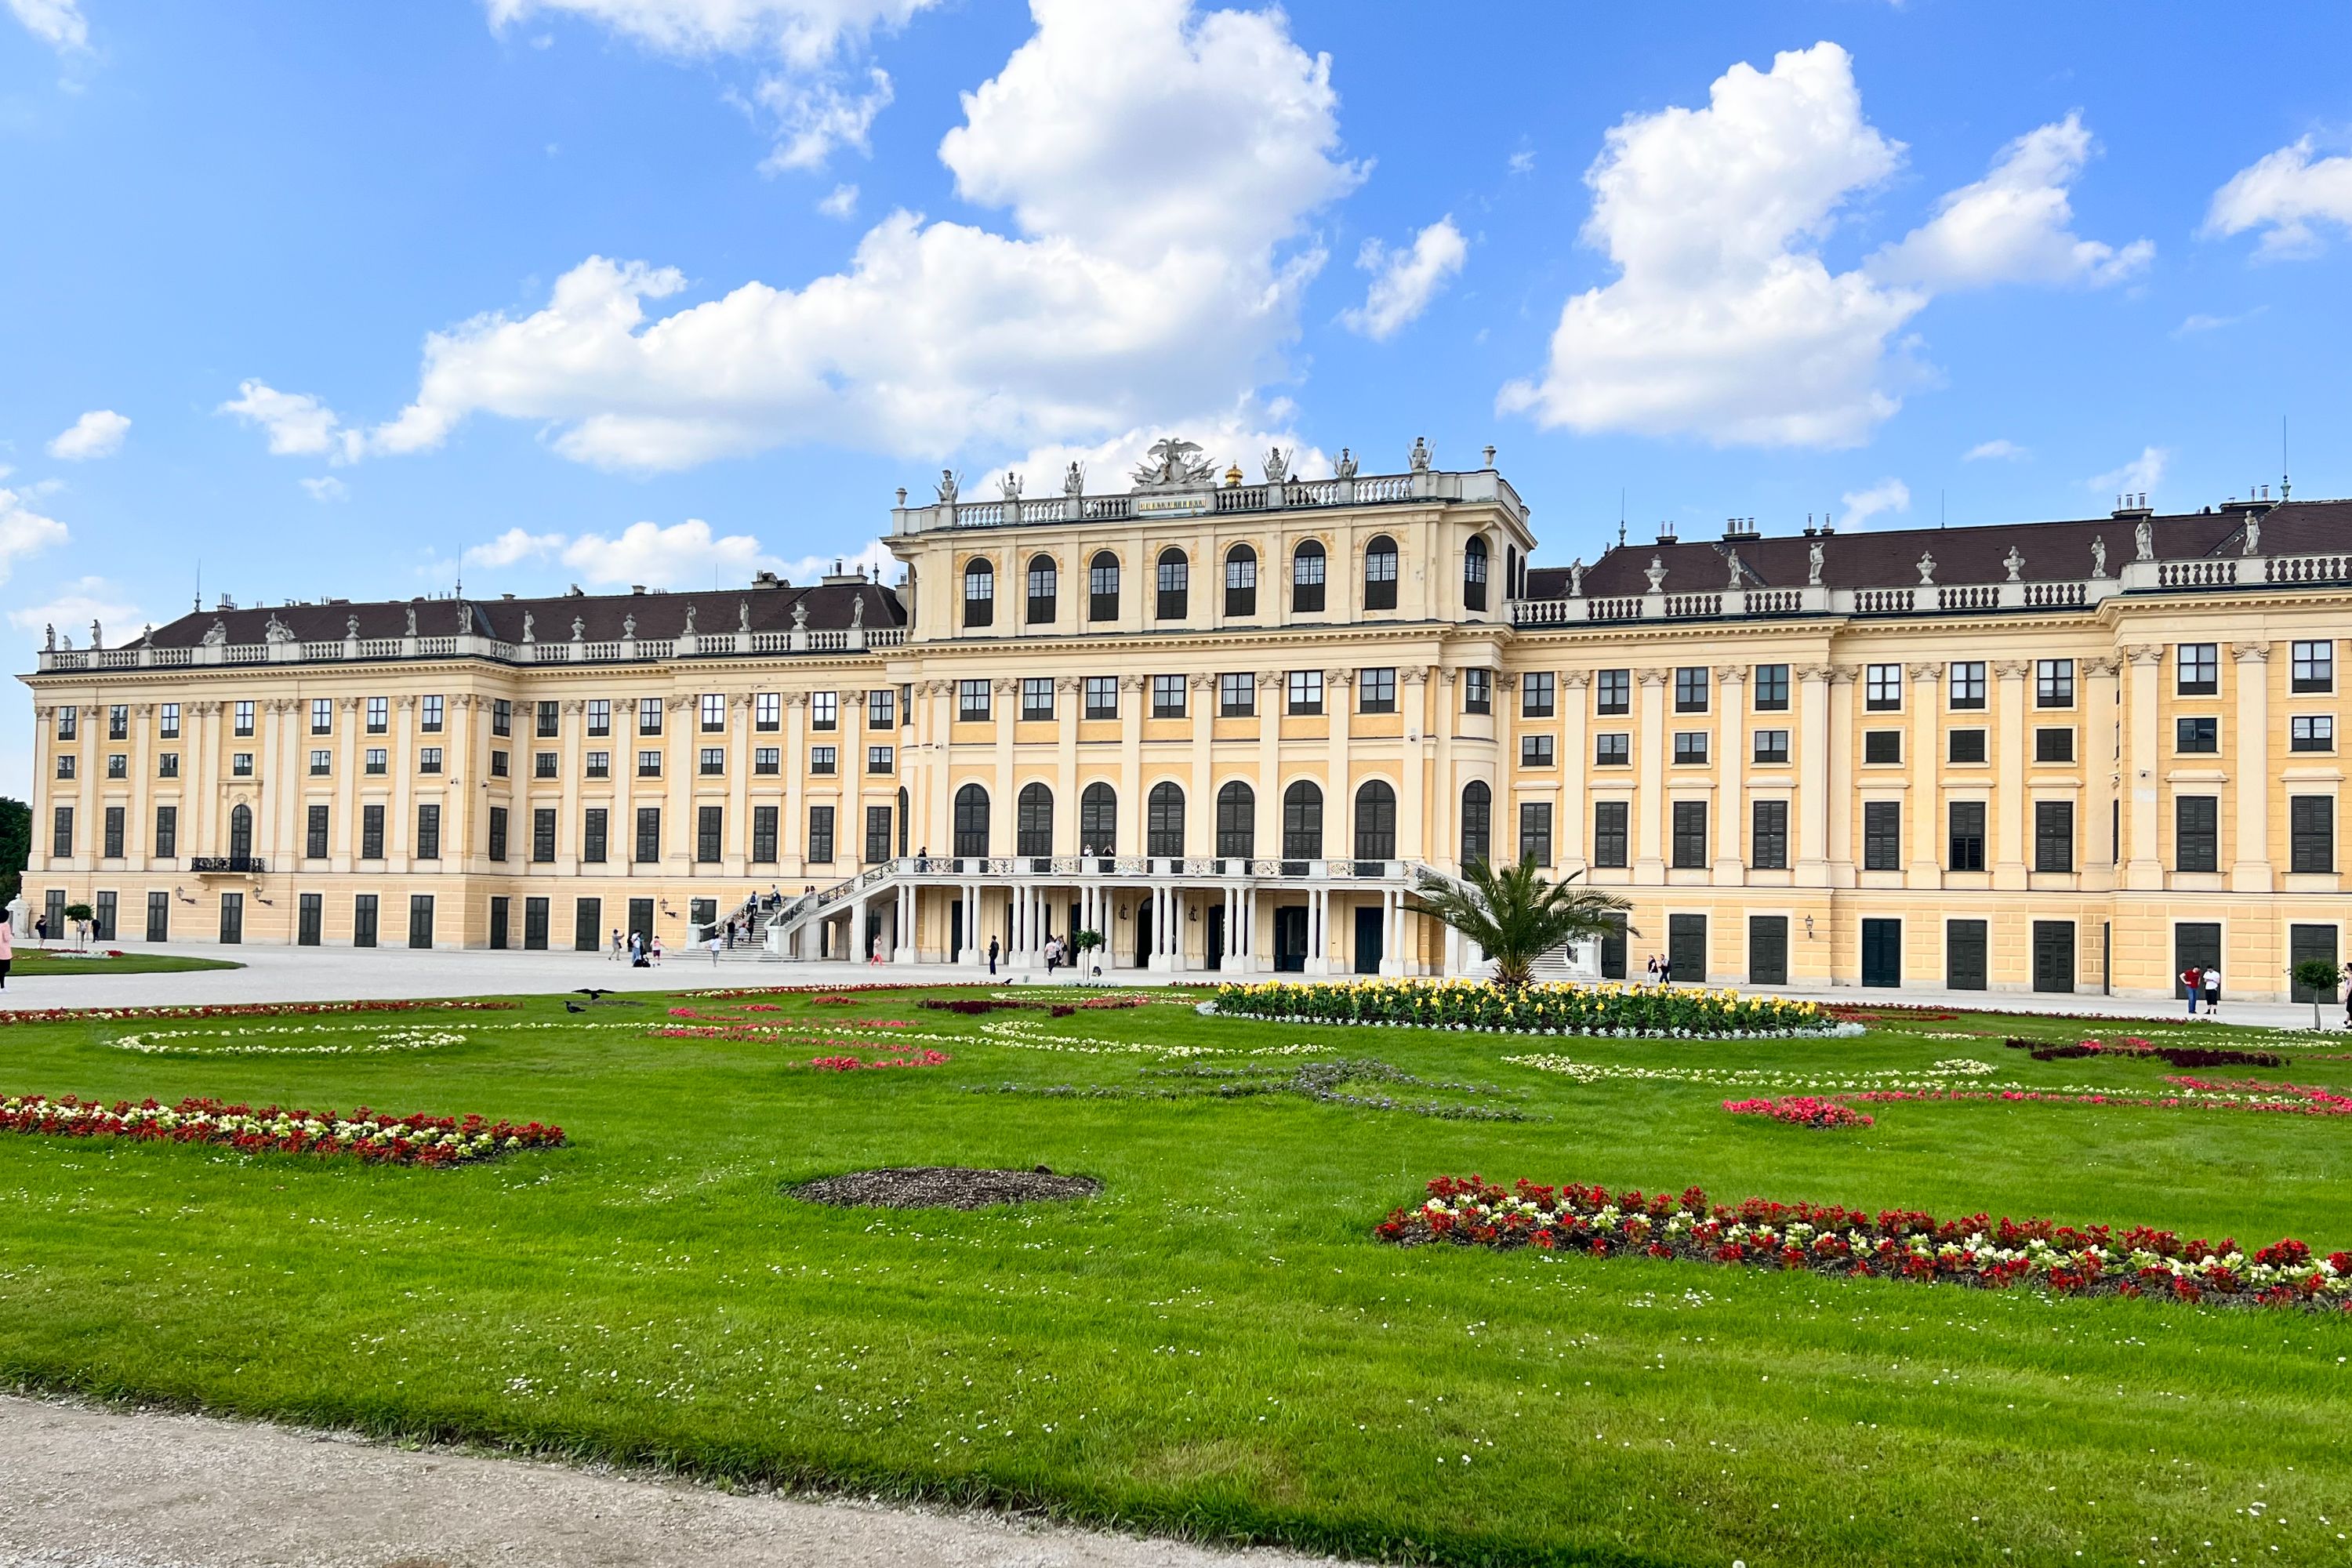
[{"x": 571, "y": 1006}]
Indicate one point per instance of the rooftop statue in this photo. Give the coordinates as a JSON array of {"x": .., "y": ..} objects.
[
  {"x": 2143, "y": 541},
  {"x": 1073, "y": 481},
  {"x": 1738, "y": 570},
  {"x": 412, "y": 620},
  {"x": 1926, "y": 570},
  {"x": 689, "y": 617},
  {"x": 1346, "y": 467},
  {"x": 628, "y": 629},
  {"x": 214, "y": 635},
  {"x": 1172, "y": 463},
  {"x": 1656, "y": 572},
  {"x": 1813, "y": 555},
  {"x": 96, "y": 640},
  {"x": 579, "y": 627},
  {"x": 49, "y": 636},
  {"x": 857, "y": 611},
  {"x": 1277, "y": 466},
  {"x": 2099, "y": 556},
  {"x": 2254, "y": 536},
  {"x": 527, "y": 634},
  {"x": 1420, "y": 454},
  {"x": 1009, "y": 485},
  {"x": 1576, "y": 578},
  {"x": 2015, "y": 562},
  {"x": 743, "y": 615},
  {"x": 947, "y": 487},
  {"x": 275, "y": 631}
]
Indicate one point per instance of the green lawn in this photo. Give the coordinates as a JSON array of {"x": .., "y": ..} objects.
[
  {"x": 33, "y": 960},
  {"x": 1214, "y": 1346}
]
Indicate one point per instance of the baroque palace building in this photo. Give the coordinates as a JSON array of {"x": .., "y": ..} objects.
[{"x": 1230, "y": 725}]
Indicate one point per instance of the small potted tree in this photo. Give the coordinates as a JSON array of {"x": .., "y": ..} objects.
[
  {"x": 80, "y": 915},
  {"x": 2316, "y": 976},
  {"x": 1087, "y": 943}
]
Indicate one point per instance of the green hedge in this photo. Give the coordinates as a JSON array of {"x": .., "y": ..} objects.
[{"x": 1628, "y": 1010}]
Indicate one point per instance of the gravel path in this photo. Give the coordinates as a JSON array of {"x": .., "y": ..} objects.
[{"x": 103, "y": 1489}]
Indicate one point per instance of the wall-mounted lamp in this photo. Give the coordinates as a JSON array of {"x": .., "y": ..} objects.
[
  {"x": 1192, "y": 914},
  {"x": 667, "y": 910},
  {"x": 181, "y": 896},
  {"x": 265, "y": 903},
  {"x": 1122, "y": 911},
  {"x": 1808, "y": 928}
]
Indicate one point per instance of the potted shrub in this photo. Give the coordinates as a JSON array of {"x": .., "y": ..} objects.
[
  {"x": 2316, "y": 976},
  {"x": 1085, "y": 941},
  {"x": 82, "y": 915}
]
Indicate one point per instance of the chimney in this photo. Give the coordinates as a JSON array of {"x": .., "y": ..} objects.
[{"x": 1665, "y": 533}]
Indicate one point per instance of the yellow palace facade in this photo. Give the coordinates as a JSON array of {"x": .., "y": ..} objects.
[{"x": 1230, "y": 725}]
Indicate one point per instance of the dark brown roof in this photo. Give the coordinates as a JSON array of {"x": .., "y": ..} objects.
[
  {"x": 1889, "y": 558},
  {"x": 831, "y": 608}
]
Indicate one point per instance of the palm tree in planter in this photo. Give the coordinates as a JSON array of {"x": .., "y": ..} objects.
[{"x": 1515, "y": 916}]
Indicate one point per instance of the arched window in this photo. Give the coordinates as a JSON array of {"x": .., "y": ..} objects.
[
  {"x": 1098, "y": 819},
  {"x": 1044, "y": 590},
  {"x": 1381, "y": 573},
  {"x": 1302, "y": 822},
  {"x": 1236, "y": 822},
  {"x": 1033, "y": 827},
  {"x": 902, "y": 822},
  {"x": 1102, "y": 587},
  {"x": 1376, "y": 821},
  {"x": 1175, "y": 585},
  {"x": 971, "y": 823},
  {"x": 1477, "y": 822},
  {"x": 978, "y": 595},
  {"x": 1241, "y": 580},
  {"x": 1163, "y": 822},
  {"x": 1474, "y": 575},
  {"x": 1306, "y": 579},
  {"x": 240, "y": 831}
]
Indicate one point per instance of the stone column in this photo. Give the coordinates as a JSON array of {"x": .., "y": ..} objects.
[
  {"x": 1268, "y": 832},
  {"x": 1200, "y": 809},
  {"x": 1926, "y": 868},
  {"x": 1841, "y": 775},
  {"x": 2100, "y": 760},
  {"x": 1412, "y": 807},
  {"x": 2009, "y": 801},
  {"x": 1340, "y": 797},
  {"x": 139, "y": 811},
  {"x": 736, "y": 845},
  {"x": 568, "y": 810},
  {"x": 342, "y": 842},
  {"x": 1649, "y": 752},
  {"x": 2143, "y": 868},
  {"x": 678, "y": 814},
  {"x": 1134, "y": 697},
  {"x": 400, "y": 810},
  {"x": 2250, "y": 778},
  {"x": 1575, "y": 769},
  {"x": 1005, "y": 708},
  {"x": 941, "y": 770},
  {"x": 1444, "y": 845},
  {"x": 1730, "y": 763},
  {"x": 792, "y": 825},
  {"x": 1069, "y": 700}
]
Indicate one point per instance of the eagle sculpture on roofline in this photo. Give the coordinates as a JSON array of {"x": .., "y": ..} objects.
[{"x": 1172, "y": 463}]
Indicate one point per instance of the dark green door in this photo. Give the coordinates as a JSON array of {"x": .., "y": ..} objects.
[
  {"x": 2310, "y": 942},
  {"x": 1290, "y": 939},
  {"x": 1964, "y": 954},
  {"x": 1369, "y": 941},
  {"x": 641, "y": 920},
  {"x": 1882, "y": 954},
  {"x": 1687, "y": 948},
  {"x": 1768, "y": 950},
  {"x": 2054, "y": 957}
]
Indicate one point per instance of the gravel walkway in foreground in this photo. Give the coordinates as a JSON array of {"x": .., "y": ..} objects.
[{"x": 103, "y": 1489}]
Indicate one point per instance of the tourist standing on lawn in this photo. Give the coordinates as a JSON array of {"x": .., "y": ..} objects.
[
  {"x": 8, "y": 950},
  {"x": 2211, "y": 980}
]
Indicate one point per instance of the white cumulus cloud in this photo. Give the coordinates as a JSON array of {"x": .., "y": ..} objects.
[
  {"x": 1243, "y": 436},
  {"x": 804, "y": 32},
  {"x": 682, "y": 555},
  {"x": 326, "y": 488},
  {"x": 842, "y": 203},
  {"x": 24, "y": 531},
  {"x": 2013, "y": 225},
  {"x": 296, "y": 424},
  {"x": 2001, "y": 448},
  {"x": 2138, "y": 476},
  {"x": 57, "y": 23},
  {"x": 1885, "y": 496},
  {"x": 1406, "y": 281},
  {"x": 96, "y": 434},
  {"x": 813, "y": 117},
  {"x": 516, "y": 544},
  {"x": 1126, "y": 295},
  {"x": 2283, "y": 193},
  {"x": 77, "y": 603}
]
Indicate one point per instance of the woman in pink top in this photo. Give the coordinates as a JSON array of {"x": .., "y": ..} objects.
[{"x": 7, "y": 949}]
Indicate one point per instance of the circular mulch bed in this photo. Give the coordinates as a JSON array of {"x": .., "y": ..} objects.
[{"x": 943, "y": 1187}]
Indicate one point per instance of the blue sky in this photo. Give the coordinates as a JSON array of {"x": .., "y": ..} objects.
[{"x": 352, "y": 300}]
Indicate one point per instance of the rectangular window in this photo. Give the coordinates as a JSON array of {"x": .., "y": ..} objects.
[
  {"x": 709, "y": 824},
  {"x": 971, "y": 702},
  {"x": 1772, "y": 747},
  {"x": 2311, "y": 833},
  {"x": 710, "y": 762},
  {"x": 1690, "y": 834},
  {"x": 542, "y": 835},
  {"x": 498, "y": 833},
  {"x": 167, "y": 766},
  {"x": 881, "y": 759},
  {"x": 544, "y": 764},
  {"x": 600, "y": 716},
  {"x": 1536, "y": 694},
  {"x": 2053, "y": 683},
  {"x": 877, "y": 835},
  {"x": 2314, "y": 666},
  {"x": 167, "y": 724},
  {"x": 1534, "y": 831},
  {"x": 240, "y": 765},
  {"x": 1882, "y": 746},
  {"x": 66, "y": 765},
  {"x": 2197, "y": 832},
  {"x": 428, "y": 832},
  {"x": 824, "y": 708},
  {"x": 1614, "y": 691},
  {"x": 649, "y": 715},
  {"x": 1102, "y": 695},
  {"x": 1168, "y": 697},
  {"x": 825, "y": 759},
  {"x": 428, "y": 759},
  {"x": 597, "y": 765},
  {"x": 1882, "y": 835},
  {"x": 763, "y": 835},
  {"x": 167, "y": 831},
  {"x": 432, "y": 710},
  {"x": 2054, "y": 834},
  {"x": 1767, "y": 834},
  {"x": 1968, "y": 687},
  {"x": 1037, "y": 697},
  {"x": 66, "y": 716},
  {"x": 1305, "y": 691},
  {"x": 881, "y": 709},
  {"x": 370, "y": 833},
  {"x": 1307, "y": 567},
  {"x": 649, "y": 764},
  {"x": 379, "y": 715},
  {"x": 1966, "y": 745},
  {"x": 1882, "y": 688},
  {"x": 1609, "y": 818},
  {"x": 1536, "y": 752},
  {"x": 502, "y": 716},
  {"x": 714, "y": 712},
  {"x": 767, "y": 761},
  {"x": 322, "y": 716},
  {"x": 1240, "y": 584},
  {"x": 588, "y": 925},
  {"x": 61, "y": 833},
  {"x": 2196, "y": 668},
  {"x": 1690, "y": 748},
  {"x": 2053, "y": 745},
  {"x": 593, "y": 848},
  {"x": 110, "y": 832},
  {"x": 1690, "y": 689},
  {"x": 1236, "y": 695},
  {"x": 1771, "y": 689},
  {"x": 321, "y": 762},
  {"x": 2196, "y": 737},
  {"x": 1477, "y": 692},
  {"x": 768, "y": 711},
  {"x": 244, "y": 717},
  {"x": 550, "y": 721},
  {"x": 500, "y": 763},
  {"x": 2311, "y": 733},
  {"x": 1376, "y": 690},
  {"x": 118, "y": 764},
  {"x": 1612, "y": 749},
  {"x": 820, "y": 836},
  {"x": 648, "y": 835}
]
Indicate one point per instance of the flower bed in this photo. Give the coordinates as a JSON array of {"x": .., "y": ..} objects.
[
  {"x": 926, "y": 1058},
  {"x": 366, "y": 1135},
  {"x": 241, "y": 1010},
  {"x": 1615, "y": 1010},
  {"x": 1801, "y": 1110},
  {"x": 1895, "y": 1244},
  {"x": 2134, "y": 1046},
  {"x": 246, "y": 1043}
]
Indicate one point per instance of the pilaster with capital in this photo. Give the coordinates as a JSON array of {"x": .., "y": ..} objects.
[
  {"x": 2249, "y": 769},
  {"x": 2011, "y": 696},
  {"x": 1730, "y": 866},
  {"x": 1649, "y": 759},
  {"x": 2143, "y": 866},
  {"x": 1925, "y": 805}
]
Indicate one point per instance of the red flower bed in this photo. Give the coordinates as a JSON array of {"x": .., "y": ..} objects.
[
  {"x": 367, "y": 1135},
  {"x": 1801, "y": 1110},
  {"x": 922, "y": 1058},
  {"x": 1893, "y": 1244},
  {"x": 2133, "y": 1046},
  {"x": 240, "y": 1010}
]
